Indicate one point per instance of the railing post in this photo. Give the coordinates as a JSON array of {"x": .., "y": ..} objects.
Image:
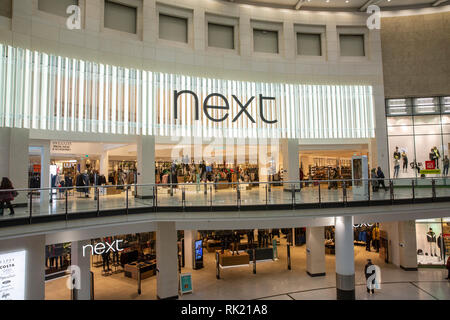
[
  {"x": 67, "y": 203},
  {"x": 31, "y": 207},
  {"x": 183, "y": 197},
  {"x": 267, "y": 200},
  {"x": 210, "y": 196},
  {"x": 433, "y": 189},
  {"x": 320, "y": 197},
  {"x": 293, "y": 195},
  {"x": 289, "y": 256},
  {"x": 238, "y": 190},
  {"x": 413, "y": 191},
  {"x": 155, "y": 197},
  {"x": 139, "y": 278},
  {"x": 391, "y": 190},
  {"x": 97, "y": 197},
  {"x": 369, "y": 186},
  {"x": 127, "y": 200},
  {"x": 344, "y": 193}
]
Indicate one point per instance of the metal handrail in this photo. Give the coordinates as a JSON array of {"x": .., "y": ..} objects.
[{"x": 220, "y": 183}]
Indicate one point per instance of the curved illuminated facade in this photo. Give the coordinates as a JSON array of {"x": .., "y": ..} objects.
[{"x": 42, "y": 91}]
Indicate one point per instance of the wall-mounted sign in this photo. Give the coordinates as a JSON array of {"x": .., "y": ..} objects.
[
  {"x": 61, "y": 147},
  {"x": 12, "y": 276}
]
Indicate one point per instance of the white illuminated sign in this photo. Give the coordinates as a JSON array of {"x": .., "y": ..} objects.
[{"x": 12, "y": 276}]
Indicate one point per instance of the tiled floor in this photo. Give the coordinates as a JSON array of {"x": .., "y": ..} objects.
[
  {"x": 194, "y": 197},
  {"x": 274, "y": 281}
]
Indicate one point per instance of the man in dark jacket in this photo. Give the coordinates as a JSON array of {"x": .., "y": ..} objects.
[
  {"x": 368, "y": 274},
  {"x": 380, "y": 176}
]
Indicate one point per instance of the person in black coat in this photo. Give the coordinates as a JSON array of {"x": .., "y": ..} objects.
[
  {"x": 380, "y": 176},
  {"x": 368, "y": 274}
]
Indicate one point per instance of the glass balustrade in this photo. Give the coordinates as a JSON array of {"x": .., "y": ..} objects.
[{"x": 79, "y": 202}]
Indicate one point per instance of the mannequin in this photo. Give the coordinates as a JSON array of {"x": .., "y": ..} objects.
[
  {"x": 397, "y": 154},
  {"x": 236, "y": 239},
  {"x": 431, "y": 239},
  {"x": 440, "y": 243},
  {"x": 405, "y": 161}
]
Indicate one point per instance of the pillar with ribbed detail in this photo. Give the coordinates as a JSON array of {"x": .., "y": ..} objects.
[
  {"x": 315, "y": 251},
  {"x": 145, "y": 166},
  {"x": 189, "y": 252},
  {"x": 83, "y": 261},
  {"x": 289, "y": 150},
  {"x": 166, "y": 260},
  {"x": 407, "y": 245},
  {"x": 345, "y": 258}
]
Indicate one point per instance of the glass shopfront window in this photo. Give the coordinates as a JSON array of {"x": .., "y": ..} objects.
[
  {"x": 433, "y": 241},
  {"x": 418, "y": 131}
]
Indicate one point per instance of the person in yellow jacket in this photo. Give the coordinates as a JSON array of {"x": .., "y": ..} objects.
[{"x": 376, "y": 238}]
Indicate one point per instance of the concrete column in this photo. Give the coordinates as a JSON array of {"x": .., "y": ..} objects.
[
  {"x": 145, "y": 165},
  {"x": 84, "y": 263},
  {"x": 289, "y": 150},
  {"x": 189, "y": 251},
  {"x": 166, "y": 259},
  {"x": 315, "y": 251},
  {"x": 45, "y": 174},
  {"x": 345, "y": 258},
  {"x": 34, "y": 269},
  {"x": 14, "y": 159},
  {"x": 104, "y": 163},
  {"x": 407, "y": 245}
]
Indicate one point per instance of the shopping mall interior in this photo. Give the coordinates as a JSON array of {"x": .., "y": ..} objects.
[{"x": 224, "y": 149}]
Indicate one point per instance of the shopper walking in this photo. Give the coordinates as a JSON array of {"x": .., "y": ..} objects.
[
  {"x": 368, "y": 240},
  {"x": 368, "y": 274},
  {"x": 380, "y": 176},
  {"x": 446, "y": 162},
  {"x": 7, "y": 196}
]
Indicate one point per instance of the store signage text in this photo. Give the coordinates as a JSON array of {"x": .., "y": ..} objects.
[
  {"x": 101, "y": 247},
  {"x": 61, "y": 146},
  {"x": 226, "y": 106}
]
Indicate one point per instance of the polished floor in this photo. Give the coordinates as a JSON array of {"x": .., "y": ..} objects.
[
  {"x": 195, "y": 196},
  {"x": 274, "y": 281}
]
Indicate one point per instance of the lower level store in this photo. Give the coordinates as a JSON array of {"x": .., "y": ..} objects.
[{"x": 220, "y": 264}]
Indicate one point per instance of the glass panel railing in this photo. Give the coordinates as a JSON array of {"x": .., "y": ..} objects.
[
  {"x": 308, "y": 192},
  {"x": 401, "y": 188},
  {"x": 442, "y": 187},
  {"x": 423, "y": 188}
]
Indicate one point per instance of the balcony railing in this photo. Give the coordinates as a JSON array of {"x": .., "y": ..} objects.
[{"x": 69, "y": 203}]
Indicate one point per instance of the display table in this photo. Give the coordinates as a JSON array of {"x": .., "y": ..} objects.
[
  {"x": 226, "y": 259},
  {"x": 261, "y": 254},
  {"x": 148, "y": 269},
  {"x": 212, "y": 245}
]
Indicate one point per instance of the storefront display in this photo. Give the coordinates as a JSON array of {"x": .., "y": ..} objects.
[
  {"x": 433, "y": 241},
  {"x": 418, "y": 131}
]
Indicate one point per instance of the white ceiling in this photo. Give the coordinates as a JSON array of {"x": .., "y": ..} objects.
[{"x": 351, "y": 5}]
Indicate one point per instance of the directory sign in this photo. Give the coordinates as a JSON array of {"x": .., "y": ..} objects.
[{"x": 12, "y": 276}]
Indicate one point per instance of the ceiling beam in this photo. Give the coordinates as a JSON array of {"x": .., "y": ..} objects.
[
  {"x": 299, "y": 4},
  {"x": 438, "y": 2},
  {"x": 368, "y": 3}
]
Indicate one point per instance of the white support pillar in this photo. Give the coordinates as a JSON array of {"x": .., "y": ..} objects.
[
  {"x": 407, "y": 245},
  {"x": 289, "y": 150},
  {"x": 104, "y": 163},
  {"x": 84, "y": 263},
  {"x": 145, "y": 165},
  {"x": 45, "y": 175},
  {"x": 345, "y": 258},
  {"x": 189, "y": 251},
  {"x": 166, "y": 259},
  {"x": 315, "y": 251},
  {"x": 14, "y": 159}
]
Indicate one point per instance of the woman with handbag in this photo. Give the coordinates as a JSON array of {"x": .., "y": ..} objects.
[{"x": 7, "y": 196}]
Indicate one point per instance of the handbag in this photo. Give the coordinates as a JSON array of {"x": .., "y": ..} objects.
[{"x": 15, "y": 194}]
